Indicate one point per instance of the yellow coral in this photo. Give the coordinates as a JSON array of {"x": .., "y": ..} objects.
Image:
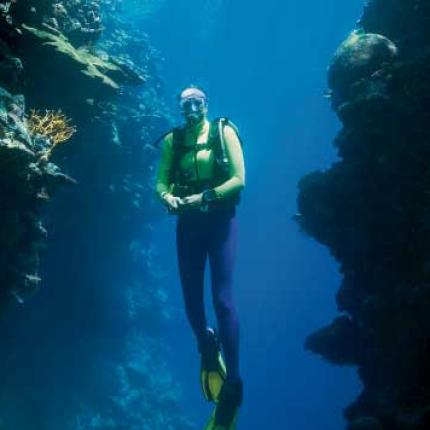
[{"x": 53, "y": 125}]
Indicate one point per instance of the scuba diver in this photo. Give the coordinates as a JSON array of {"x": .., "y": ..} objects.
[{"x": 199, "y": 179}]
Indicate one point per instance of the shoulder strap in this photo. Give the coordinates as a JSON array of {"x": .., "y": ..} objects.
[
  {"x": 222, "y": 122},
  {"x": 157, "y": 142},
  {"x": 230, "y": 123},
  {"x": 216, "y": 141},
  {"x": 178, "y": 145},
  {"x": 178, "y": 137},
  {"x": 213, "y": 130},
  {"x": 216, "y": 138}
]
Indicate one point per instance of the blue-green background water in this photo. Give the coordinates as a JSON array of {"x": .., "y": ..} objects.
[{"x": 263, "y": 64}]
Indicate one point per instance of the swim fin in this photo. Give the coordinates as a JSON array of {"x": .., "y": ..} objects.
[
  {"x": 224, "y": 416},
  {"x": 212, "y": 370},
  {"x": 212, "y": 425}
]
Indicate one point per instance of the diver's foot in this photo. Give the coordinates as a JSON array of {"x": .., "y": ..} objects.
[
  {"x": 228, "y": 405},
  {"x": 212, "y": 369}
]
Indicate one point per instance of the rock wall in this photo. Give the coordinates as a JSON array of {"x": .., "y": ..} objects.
[
  {"x": 27, "y": 178},
  {"x": 372, "y": 210},
  {"x": 88, "y": 347}
]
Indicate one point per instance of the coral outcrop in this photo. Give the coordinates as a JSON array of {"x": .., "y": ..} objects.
[
  {"x": 47, "y": 55},
  {"x": 371, "y": 209},
  {"x": 51, "y": 127},
  {"x": 51, "y": 61},
  {"x": 79, "y": 20},
  {"x": 26, "y": 182}
]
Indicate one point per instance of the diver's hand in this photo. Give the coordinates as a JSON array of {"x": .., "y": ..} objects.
[
  {"x": 172, "y": 202},
  {"x": 193, "y": 200}
]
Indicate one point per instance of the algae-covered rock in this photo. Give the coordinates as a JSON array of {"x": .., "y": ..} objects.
[
  {"x": 70, "y": 76},
  {"x": 404, "y": 22},
  {"x": 80, "y": 20},
  {"x": 81, "y": 59},
  {"x": 14, "y": 136},
  {"x": 14, "y": 156},
  {"x": 361, "y": 55},
  {"x": 10, "y": 66}
]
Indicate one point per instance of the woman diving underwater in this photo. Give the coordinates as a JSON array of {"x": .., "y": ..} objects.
[{"x": 199, "y": 179}]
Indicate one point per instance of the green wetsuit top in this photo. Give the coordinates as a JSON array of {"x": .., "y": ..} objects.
[{"x": 201, "y": 163}]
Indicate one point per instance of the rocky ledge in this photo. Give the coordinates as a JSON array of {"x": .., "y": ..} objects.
[{"x": 372, "y": 210}]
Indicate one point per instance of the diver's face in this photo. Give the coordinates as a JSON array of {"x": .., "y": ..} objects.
[{"x": 193, "y": 108}]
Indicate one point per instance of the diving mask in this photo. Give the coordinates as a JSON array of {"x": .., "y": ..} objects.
[{"x": 193, "y": 104}]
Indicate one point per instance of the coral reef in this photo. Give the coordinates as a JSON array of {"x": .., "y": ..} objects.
[
  {"x": 50, "y": 127},
  {"x": 95, "y": 337},
  {"x": 90, "y": 65},
  {"x": 47, "y": 55},
  {"x": 26, "y": 182},
  {"x": 52, "y": 61},
  {"x": 5, "y": 8},
  {"x": 358, "y": 57},
  {"x": 371, "y": 209},
  {"x": 79, "y": 20},
  {"x": 11, "y": 67}
]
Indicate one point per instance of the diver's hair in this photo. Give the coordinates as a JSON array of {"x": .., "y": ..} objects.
[{"x": 192, "y": 86}]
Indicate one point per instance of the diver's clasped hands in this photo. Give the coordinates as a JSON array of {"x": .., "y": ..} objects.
[
  {"x": 172, "y": 202},
  {"x": 193, "y": 200},
  {"x": 177, "y": 204}
]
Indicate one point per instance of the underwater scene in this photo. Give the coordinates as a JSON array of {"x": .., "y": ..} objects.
[{"x": 215, "y": 215}]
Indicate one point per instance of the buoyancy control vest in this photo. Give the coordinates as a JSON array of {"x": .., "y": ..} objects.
[{"x": 182, "y": 185}]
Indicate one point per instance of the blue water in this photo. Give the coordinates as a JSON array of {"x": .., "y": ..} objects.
[{"x": 263, "y": 64}]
